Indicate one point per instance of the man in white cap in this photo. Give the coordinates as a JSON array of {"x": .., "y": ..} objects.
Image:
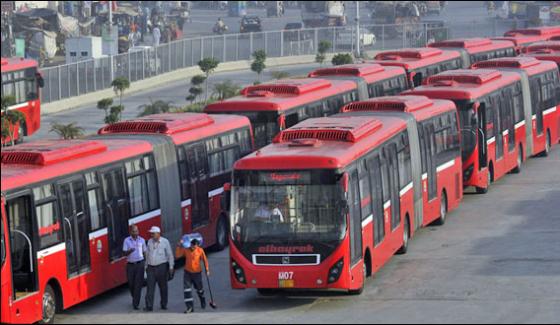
[{"x": 160, "y": 261}]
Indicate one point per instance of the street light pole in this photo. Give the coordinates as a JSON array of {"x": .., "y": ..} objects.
[{"x": 358, "y": 54}]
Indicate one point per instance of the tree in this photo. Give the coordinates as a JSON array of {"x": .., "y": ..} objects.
[
  {"x": 280, "y": 74},
  {"x": 105, "y": 104},
  {"x": 195, "y": 90},
  {"x": 157, "y": 107},
  {"x": 208, "y": 65},
  {"x": 259, "y": 64},
  {"x": 120, "y": 84},
  {"x": 342, "y": 58},
  {"x": 322, "y": 49},
  {"x": 115, "y": 114},
  {"x": 67, "y": 131},
  {"x": 10, "y": 119},
  {"x": 226, "y": 89}
]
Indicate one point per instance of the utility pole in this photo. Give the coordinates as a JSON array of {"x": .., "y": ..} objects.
[{"x": 358, "y": 54}]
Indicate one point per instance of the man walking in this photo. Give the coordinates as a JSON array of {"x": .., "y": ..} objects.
[
  {"x": 160, "y": 262},
  {"x": 193, "y": 255},
  {"x": 134, "y": 248}
]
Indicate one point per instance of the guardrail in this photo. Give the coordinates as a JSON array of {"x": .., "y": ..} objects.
[{"x": 75, "y": 79}]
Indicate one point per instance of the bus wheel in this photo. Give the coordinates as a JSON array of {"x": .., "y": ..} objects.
[
  {"x": 484, "y": 190},
  {"x": 361, "y": 289},
  {"x": 406, "y": 233},
  {"x": 442, "y": 210},
  {"x": 517, "y": 169},
  {"x": 221, "y": 234},
  {"x": 547, "y": 145},
  {"x": 49, "y": 306}
]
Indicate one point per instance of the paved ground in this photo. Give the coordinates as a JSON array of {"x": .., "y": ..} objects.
[{"x": 495, "y": 261}]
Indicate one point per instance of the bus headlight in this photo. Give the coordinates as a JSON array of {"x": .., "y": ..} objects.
[
  {"x": 335, "y": 271},
  {"x": 238, "y": 272}
]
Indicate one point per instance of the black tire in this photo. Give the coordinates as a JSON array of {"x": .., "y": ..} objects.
[
  {"x": 442, "y": 210},
  {"x": 406, "y": 236},
  {"x": 221, "y": 234},
  {"x": 482, "y": 190},
  {"x": 48, "y": 306},
  {"x": 547, "y": 145},
  {"x": 517, "y": 169}
]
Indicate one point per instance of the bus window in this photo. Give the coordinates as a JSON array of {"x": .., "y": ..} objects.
[
  {"x": 48, "y": 221},
  {"x": 117, "y": 206},
  {"x": 355, "y": 218},
  {"x": 97, "y": 218},
  {"x": 374, "y": 168}
]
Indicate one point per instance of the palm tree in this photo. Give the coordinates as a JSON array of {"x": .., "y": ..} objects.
[
  {"x": 157, "y": 107},
  {"x": 67, "y": 131},
  {"x": 226, "y": 89},
  {"x": 279, "y": 74},
  {"x": 120, "y": 84},
  {"x": 208, "y": 65}
]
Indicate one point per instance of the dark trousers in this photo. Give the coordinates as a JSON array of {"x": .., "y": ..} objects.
[
  {"x": 157, "y": 274},
  {"x": 191, "y": 280},
  {"x": 135, "y": 276}
]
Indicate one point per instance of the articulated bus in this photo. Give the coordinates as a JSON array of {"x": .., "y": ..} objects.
[
  {"x": 278, "y": 105},
  {"x": 547, "y": 51},
  {"x": 440, "y": 150},
  {"x": 69, "y": 204},
  {"x": 490, "y": 105},
  {"x": 544, "y": 32},
  {"x": 520, "y": 41},
  {"x": 21, "y": 79},
  {"x": 328, "y": 203},
  {"x": 540, "y": 81},
  {"x": 477, "y": 49},
  {"x": 420, "y": 63},
  {"x": 372, "y": 80}
]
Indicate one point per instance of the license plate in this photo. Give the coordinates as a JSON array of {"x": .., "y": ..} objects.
[{"x": 286, "y": 283}]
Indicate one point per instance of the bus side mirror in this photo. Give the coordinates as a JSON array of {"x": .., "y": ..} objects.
[{"x": 40, "y": 80}]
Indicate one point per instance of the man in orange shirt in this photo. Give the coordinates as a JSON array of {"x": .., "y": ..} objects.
[{"x": 193, "y": 255}]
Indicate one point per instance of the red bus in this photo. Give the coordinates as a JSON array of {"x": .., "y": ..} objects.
[
  {"x": 520, "y": 41},
  {"x": 547, "y": 50},
  {"x": 437, "y": 125},
  {"x": 477, "y": 49},
  {"x": 342, "y": 200},
  {"x": 420, "y": 63},
  {"x": 21, "y": 79},
  {"x": 545, "y": 32},
  {"x": 278, "y": 105},
  {"x": 69, "y": 204},
  {"x": 372, "y": 80},
  {"x": 538, "y": 129},
  {"x": 490, "y": 104}
]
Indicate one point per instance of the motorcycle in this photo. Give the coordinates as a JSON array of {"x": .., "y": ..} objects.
[{"x": 217, "y": 29}]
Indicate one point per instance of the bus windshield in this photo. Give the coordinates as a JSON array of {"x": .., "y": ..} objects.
[
  {"x": 287, "y": 207},
  {"x": 467, "y": 119},
  {"x": 265, "y": 126}
]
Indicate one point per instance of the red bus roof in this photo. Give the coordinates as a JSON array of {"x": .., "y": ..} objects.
[
  {"x": 545, "y": 55},
  {"x": 545, "y": 31},
  {"x": 37, "y": 161},
  {"x": 473, "y": 45},
  {"x": 414, "y": 58},
  {"x": 530, "y": 65},
  {"x": 181, "y": 127},
  {"x": 281, "y": 95},
  {"x": 370, "y": 72},
  {"x": 16, "y": 64},
  {"x": 323, "y": 143},
  {"x": 545, "y": 45},
  {"x": 464, "y": 83},
  {"x": 520, "y": 40},
  {"x": 421, "y": 107}
]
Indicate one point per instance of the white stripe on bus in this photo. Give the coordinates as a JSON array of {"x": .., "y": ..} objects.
[
  {"x": 505, "y": 133},
  {"x": 406, "y": 189},
  {"x": 98, "y": 233},
  {"x": 367, "y": 221},
  {"x": 51, "y": 250},
  {"x": 424, "y": 176},
  {"x": 491, "y": 140},
  {"x": 144, "y": 217},
  {"x": 215, "y": 192},
  {"x": 17, "y": 106},
  {"x": 186, "y": 203},
  {"x": 443, "y": 167},
  {"x": 534, "y": 117},
  {"x": 520, "y": 124},
  {"x": 549, "y": 111},
  {"x": 387, "y": 205}
]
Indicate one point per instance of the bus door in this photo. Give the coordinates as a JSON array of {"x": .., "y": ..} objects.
[
  {"x": 355, "y": 218},
  {"x": 116, "y": 208},
  {"x": 430, "y": 145},
  {"x": 75, "y": 217},
  {"x": 496, "y": 107},
  {"x": 482, "y": 136},
  {"x": 536, "y": 94},
  {"x": 20, "y": 218},
  {"x": 197, "y": 160},
  {"x": 391, "y": 158}
]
